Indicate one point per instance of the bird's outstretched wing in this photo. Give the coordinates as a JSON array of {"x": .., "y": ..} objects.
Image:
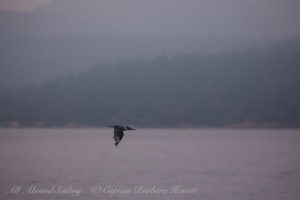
[{"x": 129, "y": 128}]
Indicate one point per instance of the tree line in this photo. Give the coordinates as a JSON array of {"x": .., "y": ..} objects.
[{"x": 251, "y": 87}]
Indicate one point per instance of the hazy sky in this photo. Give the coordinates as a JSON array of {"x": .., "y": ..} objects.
[
  {"x": 41, "y": 39},
  {"x": 22, "y": 5},
  {"x": 233, "y": 18}
]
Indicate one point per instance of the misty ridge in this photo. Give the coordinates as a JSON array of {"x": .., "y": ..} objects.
[
  {"x": 254, "y": 87},
  {"x": 93, "y": 63},
  {"x": 33, "y": 59},
  {"x": 64, "y": 36}
]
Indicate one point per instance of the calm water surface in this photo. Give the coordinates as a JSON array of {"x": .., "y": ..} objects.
[{"x": 149, "y": 163}]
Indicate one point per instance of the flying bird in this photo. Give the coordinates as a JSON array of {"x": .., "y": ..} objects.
[{"x": 119, "y": 132}]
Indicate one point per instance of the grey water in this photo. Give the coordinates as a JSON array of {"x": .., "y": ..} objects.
[{"x": 166, "y": 164}]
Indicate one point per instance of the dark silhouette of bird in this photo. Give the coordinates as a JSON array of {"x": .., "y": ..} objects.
[{"x": 119, "y": 132}]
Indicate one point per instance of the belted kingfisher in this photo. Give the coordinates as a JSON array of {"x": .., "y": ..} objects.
[{"x": 119, "y": 132}]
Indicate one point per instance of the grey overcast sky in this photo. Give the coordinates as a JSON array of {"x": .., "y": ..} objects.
[
  {"x": 22, "y": 5},
  {"x": 191, "y": 18}
]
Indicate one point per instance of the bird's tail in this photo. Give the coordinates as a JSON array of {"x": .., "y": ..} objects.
[{"x": 117, "y": 140}]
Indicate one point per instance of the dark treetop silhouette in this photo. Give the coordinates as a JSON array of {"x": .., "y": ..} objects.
[{"x": 119, "y": 132}]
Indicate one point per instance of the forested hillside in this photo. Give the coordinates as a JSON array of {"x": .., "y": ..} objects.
[{"x": 256, "y": 87}]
